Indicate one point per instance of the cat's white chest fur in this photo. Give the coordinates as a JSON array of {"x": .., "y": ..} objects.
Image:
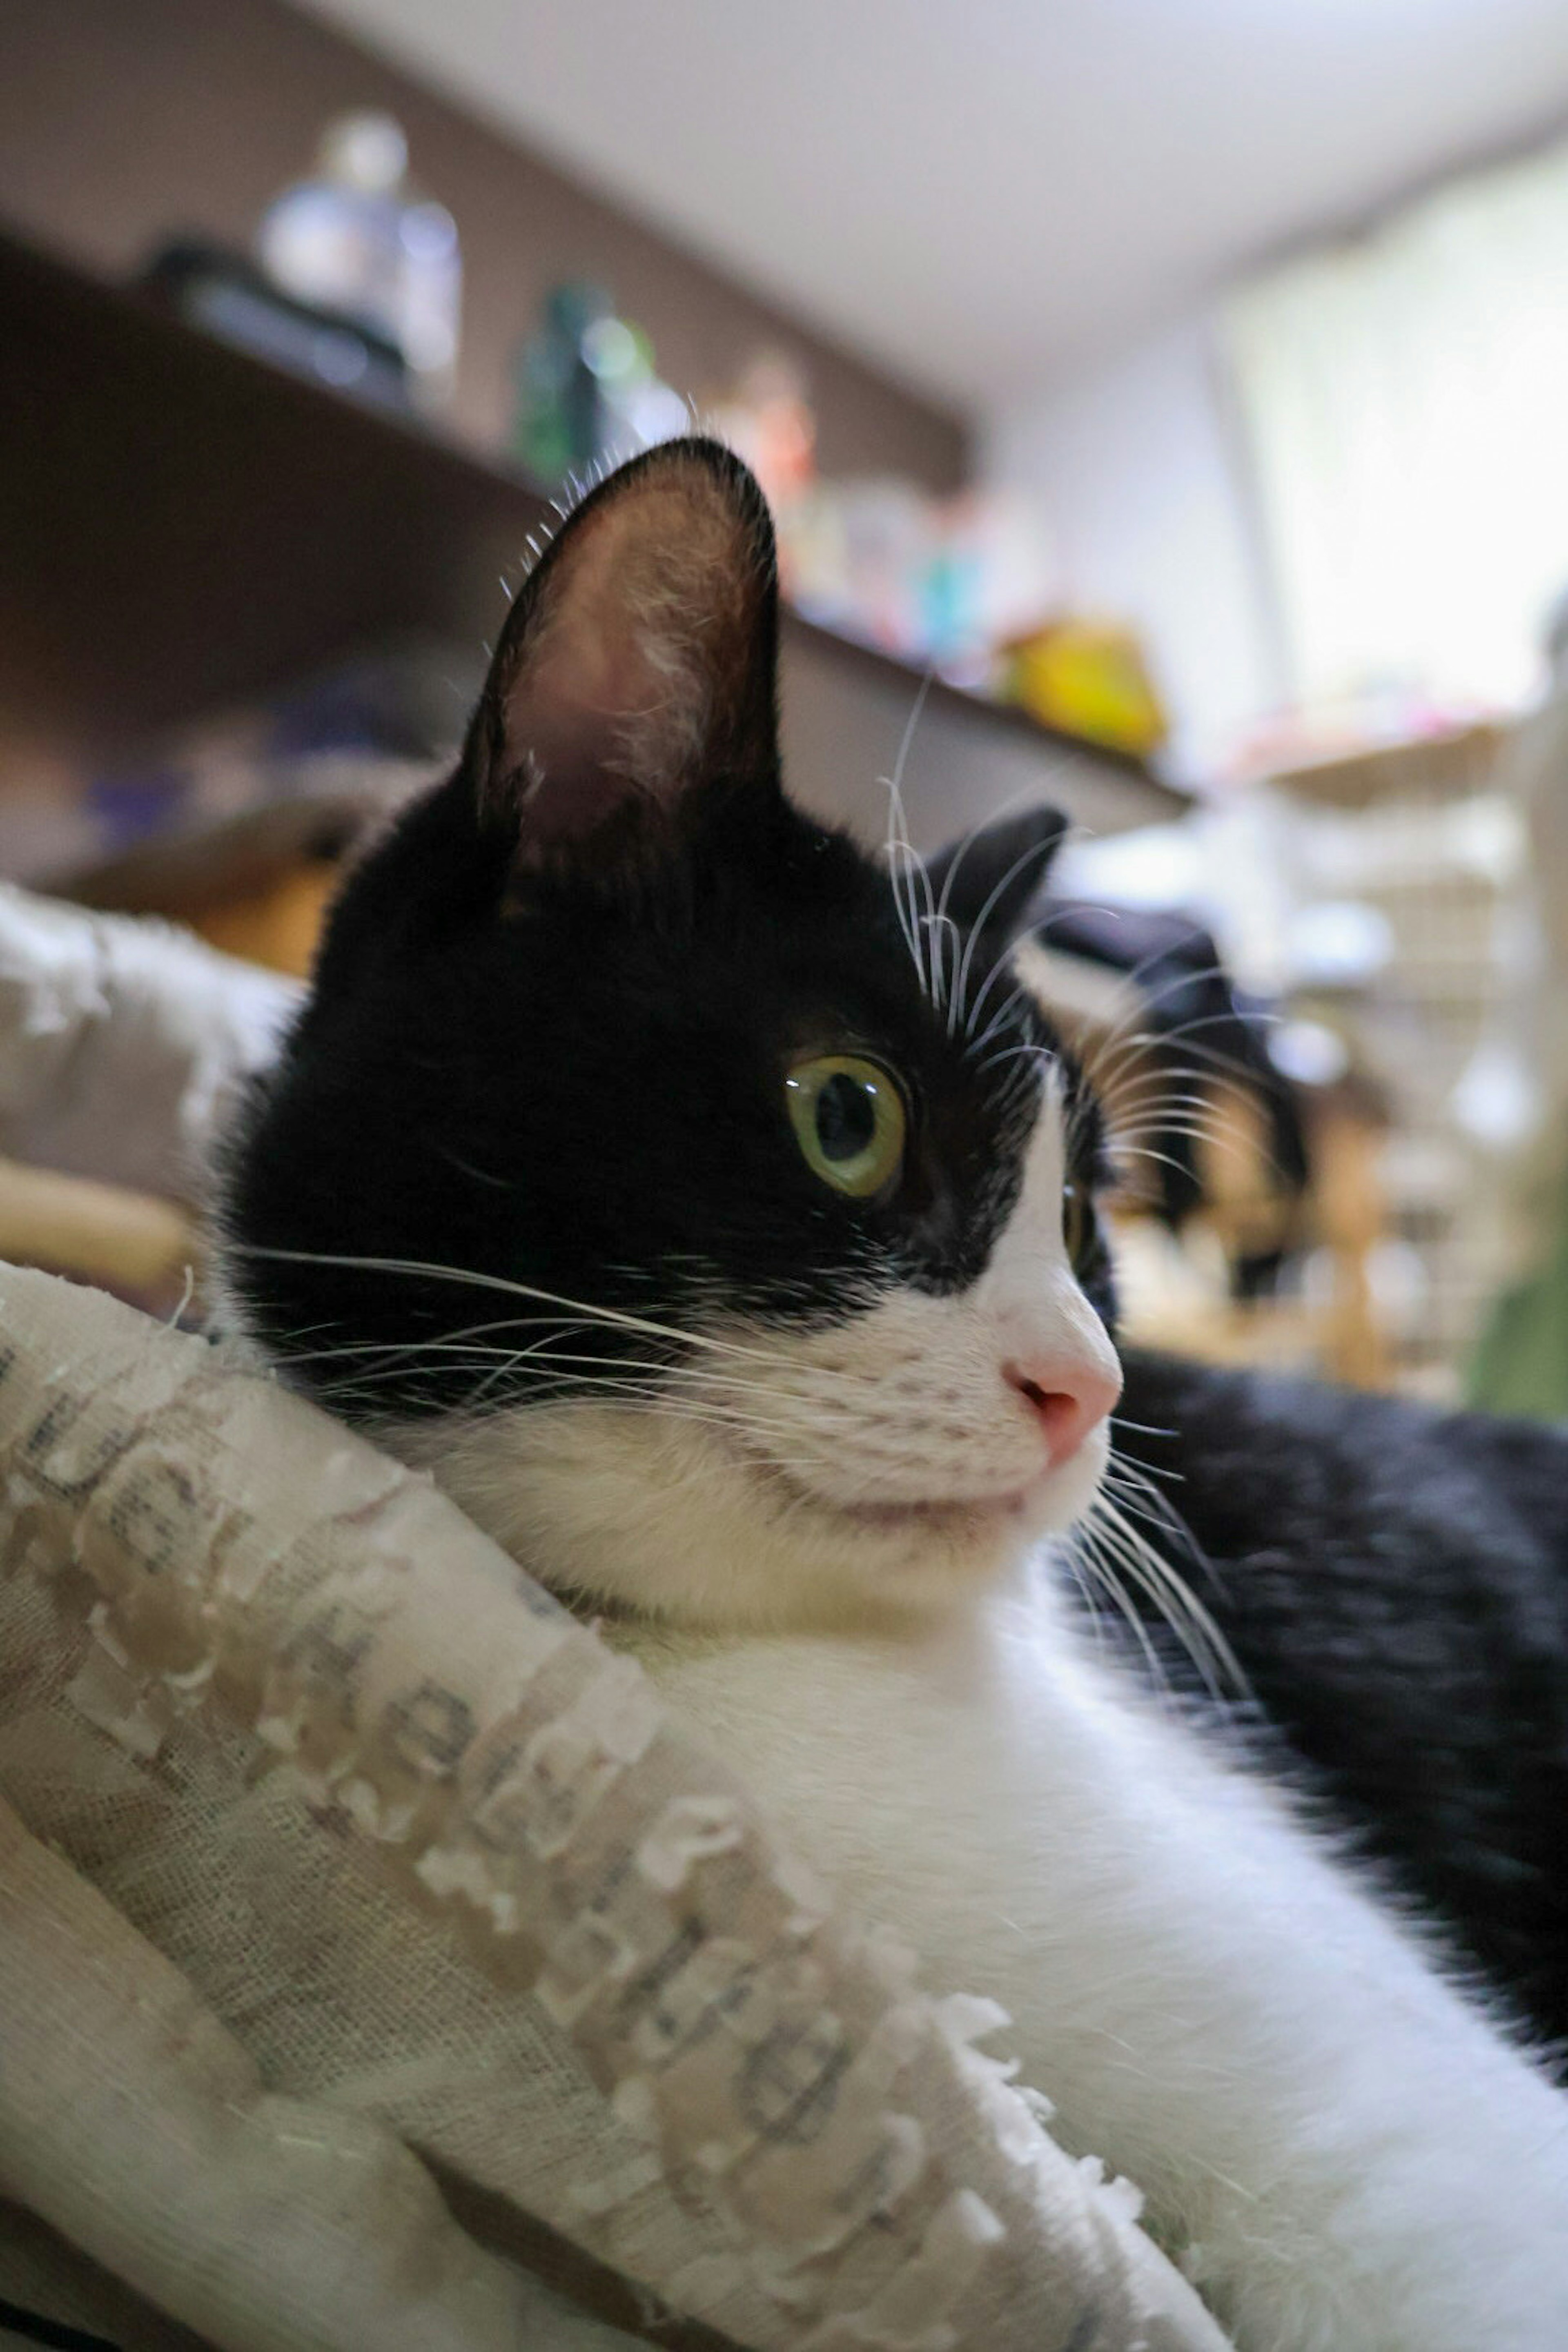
[{"x": 1346, "y": 2153}]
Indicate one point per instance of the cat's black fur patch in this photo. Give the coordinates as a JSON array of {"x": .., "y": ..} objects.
[
  {"x": 568, "y": 1071},
  {"x": 1394, "y": 1581}
]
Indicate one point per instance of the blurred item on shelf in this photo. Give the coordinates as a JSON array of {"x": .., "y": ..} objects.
[
  {"x": 357, "y": 240},
  {"x": 226, "y": 295},
  {"x": 939, "y": 583},
  {"x": 1088, "y": 677},
  {"x": 587, "y": 389},
  {"x": 767, "y": 418}
]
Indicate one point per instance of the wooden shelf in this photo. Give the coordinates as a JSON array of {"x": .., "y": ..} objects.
[{"x": 186, "y": 526}]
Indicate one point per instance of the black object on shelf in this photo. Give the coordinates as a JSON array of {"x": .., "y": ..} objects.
[{"x": 225, "y": 294}]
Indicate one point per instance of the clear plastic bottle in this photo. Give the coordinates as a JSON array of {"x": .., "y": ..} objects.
[{"x": 356, "y": 238}]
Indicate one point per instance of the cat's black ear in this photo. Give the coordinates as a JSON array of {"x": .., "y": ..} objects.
[
  {"x": 991, "y": 879},
  {"x": 637, "y": 661}
]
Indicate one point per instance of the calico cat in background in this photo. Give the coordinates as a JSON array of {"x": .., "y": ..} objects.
[{"x": 719, "y": 1229}]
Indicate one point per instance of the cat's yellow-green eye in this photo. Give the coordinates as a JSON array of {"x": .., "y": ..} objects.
[{"x": 848, "y": 1121}]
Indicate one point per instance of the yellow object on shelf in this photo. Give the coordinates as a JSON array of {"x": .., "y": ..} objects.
[{"x": 1089, "y": 678}]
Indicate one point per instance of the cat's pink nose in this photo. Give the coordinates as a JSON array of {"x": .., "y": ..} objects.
[{"x": 1067, "y": 1399}]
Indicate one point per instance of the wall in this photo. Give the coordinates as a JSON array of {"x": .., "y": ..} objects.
[
  {"x": 123, "y": 119},
  {"x": 1137, "y": 468}
]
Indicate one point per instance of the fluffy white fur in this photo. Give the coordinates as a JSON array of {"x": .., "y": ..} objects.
[{"x": 821, "y": 1546}]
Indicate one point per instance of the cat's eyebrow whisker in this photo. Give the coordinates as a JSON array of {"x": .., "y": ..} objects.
[
  {"x": 998, "y": 1021},
  {"x": 1155, "y": 1158},
  {"x": 940, "y": 929},
  {"x": 1017, "y": 1052},
  {"x": 914, "y": 863},
  {"x": 982, "y": 824},
  {"x": 1158, "y": 1087},
  {"x": 1163, "y": 1041},
  {"x": 1127, "y": 1132},
  {"x": 901, "y": 875},
  {"x": 1159, "y": 1114},
  {"x": 1219, "y": 1134},
  {"x": 1033, "y": 934},
  {"x": 1142, "y": 997},
  {"x": 1266, "y": 1018},
  {"x": 1037, "y": 850},
  {"x": 1121, "y": 1039},
  {"x": 1140, "y": 1000}
]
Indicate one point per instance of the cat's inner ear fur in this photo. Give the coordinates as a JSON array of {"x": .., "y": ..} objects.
[{"x": 638, "y": 659}]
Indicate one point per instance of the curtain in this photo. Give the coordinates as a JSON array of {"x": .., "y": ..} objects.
[{"x": 1405, "y": 400}]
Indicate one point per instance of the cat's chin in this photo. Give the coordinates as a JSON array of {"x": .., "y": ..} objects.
[{"x": 642, "y": 1513}]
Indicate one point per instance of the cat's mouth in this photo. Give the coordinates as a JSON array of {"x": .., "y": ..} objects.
[
  {"x": 941, "y": 1518},
  {"x": 962, "y": 1517}
]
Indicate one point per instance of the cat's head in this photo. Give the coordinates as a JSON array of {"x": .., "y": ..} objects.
[{"x": 694, "y": 1193}]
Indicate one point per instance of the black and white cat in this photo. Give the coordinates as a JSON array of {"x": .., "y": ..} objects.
[{"x": 719, "y": 1231}]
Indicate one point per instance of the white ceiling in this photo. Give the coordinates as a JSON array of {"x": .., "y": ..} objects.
[{"x": 985, "y": 194}]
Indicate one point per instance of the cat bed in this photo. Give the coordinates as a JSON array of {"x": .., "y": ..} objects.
[{"x": 380, "y": 1964}]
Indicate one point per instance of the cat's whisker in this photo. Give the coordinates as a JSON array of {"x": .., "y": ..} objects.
[
  {"x": 899, "y": 856},
  {"x": 1155, "y": 1510},
  {"x": 1213, "y": 1057},
  {"x": 1159, "y": 1089},
  {"x": 1036, "y": 932},
  {"x": 422, "y": 1269},
  {"x": 811, "y": 1406},
  {"x": 1171, "y": 1597},
  {"x": 779, "y": 1435},
  {"x": 1091, "y": 1538},
  {"x": 1036, "y": 849},
  {"x": 818, "y": 1386},
  {"x": 1004, "y": 1054},
  {"x": 1143, "y": 999},
  {"x": 1155, "y": 1158},
  {"x": 915, "y": 866}
]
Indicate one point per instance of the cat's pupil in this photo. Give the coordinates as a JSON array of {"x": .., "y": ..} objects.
[{"x": 846, "y": 1118}]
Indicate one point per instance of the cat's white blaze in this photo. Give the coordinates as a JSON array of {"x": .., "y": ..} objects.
[{"x": 813, "y": 1477}]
